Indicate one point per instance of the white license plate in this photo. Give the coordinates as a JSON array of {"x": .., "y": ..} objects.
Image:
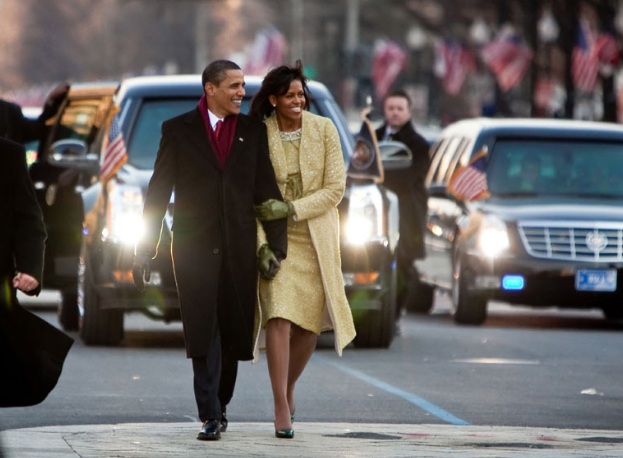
[{"x": 596, "y": 280}]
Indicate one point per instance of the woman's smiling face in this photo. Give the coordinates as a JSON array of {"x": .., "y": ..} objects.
[{"x": 290, "y": 105}]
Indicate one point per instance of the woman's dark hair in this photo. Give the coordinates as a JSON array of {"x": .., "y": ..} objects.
[{"x": 277, "y": 82}]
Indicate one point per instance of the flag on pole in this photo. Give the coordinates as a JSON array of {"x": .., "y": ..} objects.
[
  {"x": 453, "y": 63},
  {"x": 508, "y": 58},
  {"x": 585, "y": 58},
  {"x": 470, "y": 182},
  {"x": 268, "y": 50},
  {"x": 388, "y": 61},
  {"x": 608, "y": 49},
  {"x": 115, "y": 154}
]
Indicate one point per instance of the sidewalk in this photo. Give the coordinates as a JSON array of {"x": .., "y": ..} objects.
[{"x": 165, "y": 440}]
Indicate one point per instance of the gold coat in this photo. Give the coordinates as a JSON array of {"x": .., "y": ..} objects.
[{"x": 323, "y": 179}]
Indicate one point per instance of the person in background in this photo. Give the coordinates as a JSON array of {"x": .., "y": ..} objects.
[
  {"x": 15, "y": 126},
  {"x": 217, "y": 161},
  {"x": 307, "y": 296},
  {"x": 409, "y": 186}
]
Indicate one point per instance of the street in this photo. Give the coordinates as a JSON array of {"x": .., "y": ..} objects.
[{"x": 523, "y": 367}]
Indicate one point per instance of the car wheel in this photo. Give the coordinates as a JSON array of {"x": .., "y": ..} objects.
[
  {"x": 68, "y": 315},
  {"x": 375, "y": 328},
  {"x": 97, "y": 326},
  {"x": 469, "y": 308},
  {"x": 420, "y": 298}
]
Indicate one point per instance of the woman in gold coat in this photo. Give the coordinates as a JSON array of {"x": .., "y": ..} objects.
[{"x": 307, "y": 294}]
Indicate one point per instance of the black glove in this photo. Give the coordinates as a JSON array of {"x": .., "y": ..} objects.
[
  {"x": 267, "y": 262},
  {"x": 141, "y": 270},
  {"x": 273, "y": 209}
]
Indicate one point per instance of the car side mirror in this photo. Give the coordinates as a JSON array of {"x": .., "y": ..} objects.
[
  {"x": 395, "y": 155},
  {"x": 73, "y": 154}
]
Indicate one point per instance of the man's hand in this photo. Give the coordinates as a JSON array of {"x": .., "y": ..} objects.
[
  {"x": 273, "y": 209},
  {"x": 58, "y": 93},
  {"x": 141, "y": 270},
  {"x": 267, "y": 262}
]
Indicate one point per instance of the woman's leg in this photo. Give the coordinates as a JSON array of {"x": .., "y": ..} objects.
[
  {"x": 302, "y": 346},
  {"x": 278, "y": 356}
]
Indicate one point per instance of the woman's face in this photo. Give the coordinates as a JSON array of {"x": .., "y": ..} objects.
[{"x": 290, "y": 105}]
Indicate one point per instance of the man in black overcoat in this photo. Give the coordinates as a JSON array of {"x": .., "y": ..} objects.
[
  {"x": 32, "y": 351},
  {"x": 217, "y": 161},
  {"x": 409, "y": 186}
]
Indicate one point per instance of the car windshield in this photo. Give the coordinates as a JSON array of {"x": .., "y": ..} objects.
[
  {"x": 560, "y": 167},
  {"x": 144, "y": 135},
  {"x": 144, "y": 138}
]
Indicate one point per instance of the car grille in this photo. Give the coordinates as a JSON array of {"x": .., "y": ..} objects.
[{"x": 573, "y": 241}]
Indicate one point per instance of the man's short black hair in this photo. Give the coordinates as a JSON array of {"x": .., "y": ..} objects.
[
  {"x": 399, "y": 93},
  {"x": 215, "y": 72}
]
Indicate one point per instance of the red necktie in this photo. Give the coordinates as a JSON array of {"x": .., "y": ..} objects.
[{"x": 217, "y": 128}]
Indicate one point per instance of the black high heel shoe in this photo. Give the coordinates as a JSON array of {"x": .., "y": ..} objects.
[{"x": 284, "y": 433}]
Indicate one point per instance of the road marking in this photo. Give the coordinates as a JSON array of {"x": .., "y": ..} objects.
[
  {"x": 409, "y": 397},
  {"x": 496, "y": 361}
]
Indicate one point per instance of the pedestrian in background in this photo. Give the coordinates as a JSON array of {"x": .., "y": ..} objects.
[
  {"x": 32, "y": 351},
  {"x": 307, "y": 296},
  {"x": 216, "y": 160},
  {"x": 409, "y": 185},
  {"x": 15, "y": 126}
]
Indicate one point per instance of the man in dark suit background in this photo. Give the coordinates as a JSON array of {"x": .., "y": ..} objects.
[
  {"x": 15, "y": 126},
  {"x": 32, "y": 351},
  {"x": 409, "y": 186},
  {"x": 217, "y": 161}
]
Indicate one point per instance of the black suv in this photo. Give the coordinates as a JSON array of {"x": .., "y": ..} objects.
[
  {"x": 112, "y": 215},
  {"x": 549, "y": 228}
]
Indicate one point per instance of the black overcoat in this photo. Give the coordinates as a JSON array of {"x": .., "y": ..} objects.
[
  {"x": 214, "y": 242},
  {"x": 32, "y": 351},
  {"x": 15, "y": 126},
  {"x": 409, "y": 185}
]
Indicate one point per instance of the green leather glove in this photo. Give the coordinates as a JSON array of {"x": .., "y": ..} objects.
[
  {"x": 141, "y": 270},
  {"x": 273, "y": 209},
  {"x": 267, "y": 262}
]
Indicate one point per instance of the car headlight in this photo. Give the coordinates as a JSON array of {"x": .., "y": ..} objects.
[
  {"x": 493, "y": 237},
  {"x": 125, "y": 222},
  {"x": 365, "y": 215}
]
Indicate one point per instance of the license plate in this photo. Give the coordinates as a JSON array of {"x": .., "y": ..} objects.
[{"x": 596, "y": 280}]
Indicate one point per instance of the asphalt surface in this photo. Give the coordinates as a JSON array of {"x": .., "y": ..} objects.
[{"x": 167, "y": 440}]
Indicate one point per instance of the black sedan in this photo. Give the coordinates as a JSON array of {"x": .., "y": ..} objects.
[{"x": 525, "y": 211}]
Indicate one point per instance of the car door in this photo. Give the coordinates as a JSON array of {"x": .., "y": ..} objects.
[
  {"x": 82, "y": 117},
  {"x": 444, "y": 212}
]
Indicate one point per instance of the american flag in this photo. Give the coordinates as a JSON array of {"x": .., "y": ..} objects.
[
  {"x": 608, "y": 49},
  {"x": 268, "y": 50},
  {"x": 585, "y": 59},
  {"x": 508, "y": 58},
  {"x": 470, "y": 182},
  {"x": 388, "y": 61},
  {"x": 115, "y": 154},
  {"x": 453, "y": 63}
]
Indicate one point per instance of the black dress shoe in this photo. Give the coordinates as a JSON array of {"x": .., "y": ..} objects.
[
  {"x": 224, "y": 423},
  {"x": 210, "y": 431}
]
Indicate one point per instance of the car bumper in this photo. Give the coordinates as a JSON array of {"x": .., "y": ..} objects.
[
  {"x": 367, "y": 271},
  {"x": 117, "y": 288},
  {"x": 539, "y": 282}
]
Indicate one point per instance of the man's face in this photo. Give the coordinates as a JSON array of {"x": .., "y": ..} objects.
[
  {"x": 397, "y": 112},
  {"x": 226, "y": 98}
]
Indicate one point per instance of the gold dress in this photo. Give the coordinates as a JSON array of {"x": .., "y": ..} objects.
[{"x": 296, "y": 293}]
